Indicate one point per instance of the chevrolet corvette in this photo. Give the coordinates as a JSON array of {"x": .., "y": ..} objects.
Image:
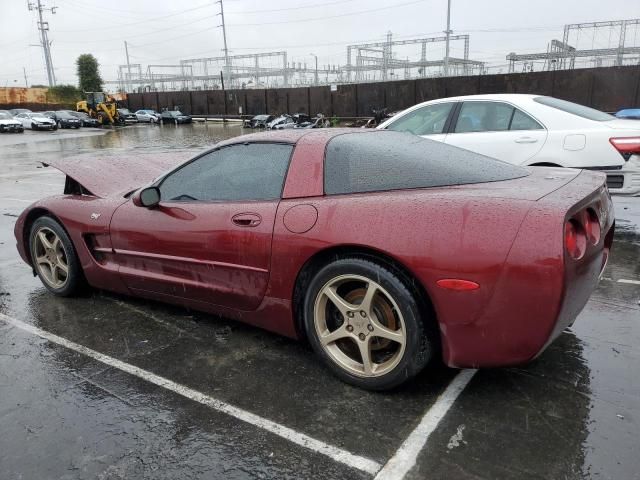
[{"x": 382, "y": 249}]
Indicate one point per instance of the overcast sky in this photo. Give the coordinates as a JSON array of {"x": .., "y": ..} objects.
[{"x": 165, "y": 31}]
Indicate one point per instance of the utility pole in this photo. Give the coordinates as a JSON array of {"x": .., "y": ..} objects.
[
  {"x": 26, "y": 82},
  {"x": 129, "y": 83},
  {"x": 448, "y": 34},
  {"x": 224, "y": 37},
  {"x": 44, "y": 38},
  {"x": 316, "y": 73}
]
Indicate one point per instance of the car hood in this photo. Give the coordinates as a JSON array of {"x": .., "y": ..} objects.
[
  {"x": 106, "y": 176},
  {"x": 9, "y": 121}
]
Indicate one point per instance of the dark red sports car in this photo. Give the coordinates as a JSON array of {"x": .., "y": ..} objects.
[{"x": 381, "y": 248}]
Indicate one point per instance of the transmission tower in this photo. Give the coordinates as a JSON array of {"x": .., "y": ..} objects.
[{"x": 44, "y": 38}]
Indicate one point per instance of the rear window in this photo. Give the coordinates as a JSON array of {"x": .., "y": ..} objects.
[
  {"x": 386, "y": 160},
  {"x": 574, "y": 109}
]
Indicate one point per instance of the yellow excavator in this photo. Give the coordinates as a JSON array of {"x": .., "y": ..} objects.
[{"x": 101, "y": 106}]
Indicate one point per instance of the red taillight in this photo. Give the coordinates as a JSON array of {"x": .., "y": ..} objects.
[
  {"x": 626, "y": 145},
  {"x": 591, "y": 224},
  {"x": 575, "y": 239}
]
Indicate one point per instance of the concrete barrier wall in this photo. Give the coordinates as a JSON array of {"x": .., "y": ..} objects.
[{"x": 608, "y": 89}]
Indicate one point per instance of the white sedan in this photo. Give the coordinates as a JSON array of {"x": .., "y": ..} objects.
[
  {"x": 36, "y": 121},
  {"x": 149, "y": 116},
  {"x": 532, "y": 130}
]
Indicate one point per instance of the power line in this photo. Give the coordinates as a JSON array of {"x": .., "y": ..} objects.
[
  {"x": 315, "y": 5},
  {"x": 326, "y": 17},
  {"x": 147, "y": 20}
]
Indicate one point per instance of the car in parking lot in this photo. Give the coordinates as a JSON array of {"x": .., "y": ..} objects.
[
  {"x": 17, "y": 111},
  {"x": 628, "y": 113},
  {"x": 85, "y": 119},
  {"x": 259, "y": 121},
  {"x": 126, "y": 116},
  {"x": 175, "y": 116},
  {"x": 9, "y": 124},
  {"x": 64, "y": 119},
  {"x": 281, "y": 120},
  {"x": 532, "y": 130},
  {"x": 382, "y": 249},
  {"x": 148, "y": 116},
  {"x": 36, "y": 121}
]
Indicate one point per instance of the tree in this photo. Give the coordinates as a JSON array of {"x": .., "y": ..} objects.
[{"x": 90, "y": 80}]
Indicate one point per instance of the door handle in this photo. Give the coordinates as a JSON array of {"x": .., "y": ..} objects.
[
  {"x": 247, "y": 219},
  {"x": 526, "y": 140}
]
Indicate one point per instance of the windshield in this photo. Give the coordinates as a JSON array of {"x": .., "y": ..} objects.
[
  {"x": 574, "y": 109},
  {"x": 39, "y": 116},
  {"x": 124, "y": 110},
  {"x": 64, "y": 115},
  {"x": 176, "y": 113}
]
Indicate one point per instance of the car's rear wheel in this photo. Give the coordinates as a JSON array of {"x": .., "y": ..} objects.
[
  {"x": 366, "y": 324},
  {"x": 54, "y": 258}
]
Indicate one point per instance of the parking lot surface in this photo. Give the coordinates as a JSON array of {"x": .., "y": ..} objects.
[{"x": 113, "y": 387}]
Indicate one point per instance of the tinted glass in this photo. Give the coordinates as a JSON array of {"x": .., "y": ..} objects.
[
  {"x": 484, "y": 117},
  {"x": 574, "y": 108},
  {"x": 428, "y": 120},
  {"x": 367, "y": 162},
  {"x": 239, "y": 172},
  {"x": 522, "y": 121}
]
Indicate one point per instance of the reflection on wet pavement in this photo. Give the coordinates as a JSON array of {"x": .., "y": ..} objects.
[{"x": 572, "y": 413}]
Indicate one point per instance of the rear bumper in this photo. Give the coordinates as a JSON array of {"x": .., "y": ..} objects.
[
  {"x": 625, "y": 181},
  {"x": 539, "y": 292}
]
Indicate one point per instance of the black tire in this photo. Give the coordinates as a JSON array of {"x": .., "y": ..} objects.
[
  {"x": 75, "y": 282},
  {"x": 420, "y": 338}
]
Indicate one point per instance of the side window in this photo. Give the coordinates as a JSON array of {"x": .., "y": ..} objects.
[
  {"x": 240, "y": 172},
  {"x": 522, "y": 121},
  {"x": 428, "y": 120},
  {"x": 484, "y": 117}
]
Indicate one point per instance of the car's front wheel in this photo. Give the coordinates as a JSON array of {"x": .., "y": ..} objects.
[
  {"x": 366, "y": 324},
  {"x": 54, "y": 258}
]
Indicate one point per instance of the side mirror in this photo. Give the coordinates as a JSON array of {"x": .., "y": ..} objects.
[{"x": 148, "y": 197}]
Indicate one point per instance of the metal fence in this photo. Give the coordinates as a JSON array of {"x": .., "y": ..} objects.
[{"x": 607, "y": 89}]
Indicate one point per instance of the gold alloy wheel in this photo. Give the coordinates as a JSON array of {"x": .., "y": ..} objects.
[
  {"x": 50, "y": 258},
  {"x": 366, "y": 338}
]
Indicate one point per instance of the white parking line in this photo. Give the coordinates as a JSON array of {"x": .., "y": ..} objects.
[
  {"x": 405, "y": 457},
  {"x": 335, "y": 453},
  {"x": 632, "y": 282}
]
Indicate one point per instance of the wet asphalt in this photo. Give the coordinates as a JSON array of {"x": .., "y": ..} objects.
[{"x": 572, "y": 413}]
